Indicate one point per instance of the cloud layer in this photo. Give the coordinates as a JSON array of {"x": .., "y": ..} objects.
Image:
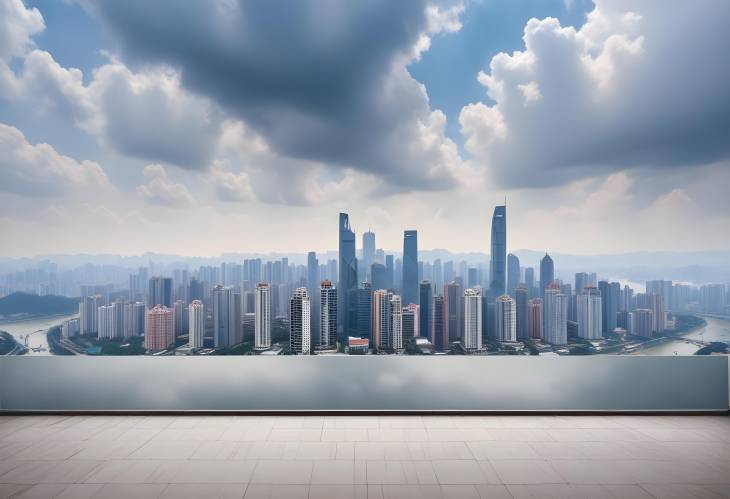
[
  {"x": 641, "y": 83},
  {"x": 325, "y": 82},
  {"x": 38, "y": 170}
]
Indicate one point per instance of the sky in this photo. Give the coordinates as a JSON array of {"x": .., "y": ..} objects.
[{"x": 217, "y": 126}]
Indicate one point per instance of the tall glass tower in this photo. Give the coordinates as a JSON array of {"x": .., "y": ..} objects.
[
  {"x": 547, "y": 273},
  {"x": 347, "y": 283},
  {"x": 498, "y": 256},
  {"x": 410, "y": 267}
]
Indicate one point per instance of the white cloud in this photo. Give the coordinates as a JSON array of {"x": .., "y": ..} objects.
[
  {"x": 161, "y": 190},
  {"x": 640, "y": 84},
  {"x": 39, "y": 170},
  {"x": 230, "y": 186},
  {"x": 148, "y": 115},
  {"x": 17, "y": 25}
]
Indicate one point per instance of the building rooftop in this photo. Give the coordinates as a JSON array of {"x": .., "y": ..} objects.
[{"x": 364, "y": 456}]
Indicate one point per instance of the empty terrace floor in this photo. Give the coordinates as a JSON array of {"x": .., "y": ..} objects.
[{"x": 365, "y": 456}]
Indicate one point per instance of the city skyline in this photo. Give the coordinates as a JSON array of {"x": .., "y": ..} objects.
[{"x": 117, "y": 140}]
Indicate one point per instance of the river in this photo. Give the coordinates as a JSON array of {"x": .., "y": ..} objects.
[
  {"x": 715, "y": 330},
  {"x": 35, "y": 330}
]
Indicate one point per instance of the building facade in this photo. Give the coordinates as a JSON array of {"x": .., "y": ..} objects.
[{"x": 299, "y": 322}]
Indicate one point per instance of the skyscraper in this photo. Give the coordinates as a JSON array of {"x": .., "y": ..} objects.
[
  {"x": 410, "y": 267},
  {"x": 378, "y": 276},
  {"x": 159, "y": 333},
  {"x": 179, "y": 309},
  {"x": 498, "y": 256},
  {"x": 105, "y": 318},
  {"x": 347, "y": 284},
  {"x": 472, "y": 319},
  {"x": 453, "y": 312},
  {"x": 506, "y": 318},
  {"x": 222, "y": 331},
  {"x": 440, "y": 334},
  {"x": 88, "y": 316},
  {"x": 610, "y": 298},
  {"x": 368, "y": 253},
  {"x": 534, "y": 318},
  {"x": 657, "y": 308},
  {"x": 513, "y": 273},
  {"x": 328, "y": 316},
  {"x": 196, "y": 313},
  {"x": 547, "y": 273},
  {"x": 583, "y": 279},
  {"x": 425, "y": 320},
  {"x": 589, "y": 313},
  {"x": 396, "y": 322},
  {"x": 381, "y": 319},
  {"x": 642, "y": 322},
  {"x": 262, "y": 316},
  {"x": 364, "y": 310},
  {"x": 390, "y": 272},
  {"x": 160, "y": 292},
  {"x": 530, "y": 281},
  {"x": 313, "y": 280},
  {"x": 555, "y": 316},
  {"x": 410, "y": 316},
  {"x": 299, "y": 321},
  {"x": 521, "y": 311}
]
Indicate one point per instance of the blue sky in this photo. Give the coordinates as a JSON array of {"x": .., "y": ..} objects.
[{"x": 212, "y": 126}]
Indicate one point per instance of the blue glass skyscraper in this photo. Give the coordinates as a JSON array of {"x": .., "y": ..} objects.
[
  {"x": 498, "y": 256},
  {"x": 410, "y": 267},
  {"x": 347, "y": 284}
]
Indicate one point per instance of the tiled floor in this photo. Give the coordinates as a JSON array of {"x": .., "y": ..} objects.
[{"x": 365, "y": 456}]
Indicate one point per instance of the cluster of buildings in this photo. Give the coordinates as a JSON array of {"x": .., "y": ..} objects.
[{"x": 370, "y": 301}]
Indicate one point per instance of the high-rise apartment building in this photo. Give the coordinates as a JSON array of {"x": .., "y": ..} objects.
[
  {"x": 506, "y": 318},
  {"x": 396, "y": 323},
  {"x": 520, "y": 297},
  {"x": 473, "y": 319},
  {"x": 328, "y": 316},
  {"x": 196, "y": 322},
  {"x": 589, "y": 313},
  {"x": 105, "y": 320},
  {"x": 179, "y": 309},
  {"x": 642, "y": 322},
  {"x": 555, "y": 316},
  {"x": 453, "y": 311},
  {"x": 262, "y": 316},
  {"x": 409, "y": 319},
  {"x": 583, "y": 279},
  {"x": 381, "y": 319},
  {"x": 440, "y": 333},
  {"x": 299, "y": 321},
  {"x": 313, "y": 280},
  {"x": 160, "y": 292},
  {"x": 364, "y": 310},
  {"x": 534, "y": 318},
  {"x": 223, "y": 334},
  {"x": 159, "y": 328},
  {"x": 610, "y": 298},
  {"x": 425, "y": 318}
]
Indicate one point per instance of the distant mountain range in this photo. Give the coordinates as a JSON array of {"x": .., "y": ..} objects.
[{"x": 695, "y": 266}]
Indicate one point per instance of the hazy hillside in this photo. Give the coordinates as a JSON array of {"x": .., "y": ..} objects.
[{"x": 24, "y": 303}]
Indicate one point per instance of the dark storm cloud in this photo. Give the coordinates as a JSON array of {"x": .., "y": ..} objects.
[{"x": 318, "y": 78}]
